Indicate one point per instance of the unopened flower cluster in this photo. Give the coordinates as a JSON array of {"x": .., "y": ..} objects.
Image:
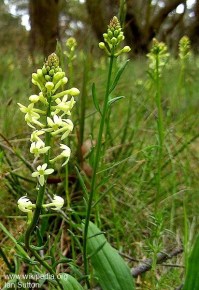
[
  {"x": 71, "y": 44},
  {"x": 48, "y": 115},
  {"x": 113, "y": 38},
  {"x": 158, "y": 56},
  {"x": 184, "y": 48}
]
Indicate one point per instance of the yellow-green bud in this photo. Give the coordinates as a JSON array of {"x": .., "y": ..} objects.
[
  {"x": 114, "y": 40},
  {"x": 120, "y": 37},
  {"x": 49, "y": 86},
  {"x": 39, "y": 72},
  {"x": 57, "y": 76},
  {"x": 34, "y": 98},
  {"x": 102, "y": 45},
  {"x": 110, "y": 34},
  {"x": 35, "y": 76},
  {"x": 47, "y": 78},
  {"x": 51, "y": 72},
  {"x": 126, "y": 49},
  {"x": 71, "y": 42},
  {"x": 73, "y": 92},
  {"x": 44, "y": 71}
]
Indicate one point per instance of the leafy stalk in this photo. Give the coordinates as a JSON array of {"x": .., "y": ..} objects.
[{"x": 95, "y": 166}]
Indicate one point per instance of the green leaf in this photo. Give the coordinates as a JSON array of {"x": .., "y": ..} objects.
[
  {"x": 95, "y": 100},
  {"x": 118, "y": 75},
  {"x": 21, "y": 251},
  {"x": 11, "y": 283},
  {"x": 69, "y": 282},
  {"x": 111, "y": 101},
  {"x": 110, "y": 269},
  {"x": 192, "y": 276}
]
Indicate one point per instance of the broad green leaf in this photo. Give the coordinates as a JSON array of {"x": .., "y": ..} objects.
[
  {"x": 69, "y": 282},
  {"x": 109, "y": 268},
  {"x": 192, "y": 276}
]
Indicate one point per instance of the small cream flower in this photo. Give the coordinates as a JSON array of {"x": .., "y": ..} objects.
[
  {"x": 59, "y": 125},
  {"x": 24, "y": 204},
  {"x": 38, "y": 148},
  {"x": 56, "y": 203},
  {"x": 64, "y": 105},
  {"x": 64, "y": 154},
  {"x": 35, "y": 135},
  {"x": 55, "y": 123},
  {"x": 29, "y": 111},
  {"x": 31, "y": 115},
  {"x": 41, "y": 172}
]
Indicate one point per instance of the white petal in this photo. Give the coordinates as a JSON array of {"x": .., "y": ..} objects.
[
  {"x": 48, "y": 171},
  {"x": 41, "y": 180}
]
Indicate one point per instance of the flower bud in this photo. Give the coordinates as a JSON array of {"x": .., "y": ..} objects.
[
  {"x": 126, "y": 49},
  {"x": 110, "y": 34},
  {"x": 34, "y": 98},
  {"x": 114, "y": 40},
  {"x": 44, "y": 71},
  {"x": 52, "y": 60},
  {"x": 47, "y": 78},
  {"x": 120, "y": 38},
  {"x": 39, "y": 72},
  {"x": 57, "y": 76},
  {"x": 35, "y": 76},
  {"x": 51, "y": 72},
  {"x": 73, "y": 92},
  {"x": 102, "y": 45},
  {"x": 49, "y": 86}
]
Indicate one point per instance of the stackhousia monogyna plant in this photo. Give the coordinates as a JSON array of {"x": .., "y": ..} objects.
[{"x": 48, "y": 115}]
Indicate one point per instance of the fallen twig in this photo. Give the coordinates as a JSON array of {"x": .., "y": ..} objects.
[{"x": 161, "y": 257}]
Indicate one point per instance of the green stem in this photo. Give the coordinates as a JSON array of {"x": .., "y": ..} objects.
[
  {"x": 95, "y": 168},
  {"x": 4, "y": 257},
  {"x": 160, "y": 130}
]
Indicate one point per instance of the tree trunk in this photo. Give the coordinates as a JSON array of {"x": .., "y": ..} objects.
[
  {"x": 100, "y": 13},
  {"x": 144, "y": 23},
  {"x": 44, "y": 21},
  {"x": 194, "y": 29}
]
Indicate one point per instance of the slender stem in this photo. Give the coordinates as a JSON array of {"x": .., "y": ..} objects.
[
  {"x": 160, "y": 130},
  {"x": 4, "y": 257},
  {"x": 95, "y": 168}
]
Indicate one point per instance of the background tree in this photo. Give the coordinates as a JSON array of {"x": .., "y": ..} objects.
[
  {"x": 44, "y": 21},
  {"x": 194, "y": 27},
  {"x": 12, "y": 33},
  {"x": 88, "y": 20},
  {"x": 145, "y": 19}
]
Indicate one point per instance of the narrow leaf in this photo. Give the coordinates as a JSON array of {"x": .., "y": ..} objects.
[
  {"x": 111, "y": 101},
  {"x": 95, "y": 100},
  {"x": 83, "y": 185},
  {"x": 118, "y": 75}
]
